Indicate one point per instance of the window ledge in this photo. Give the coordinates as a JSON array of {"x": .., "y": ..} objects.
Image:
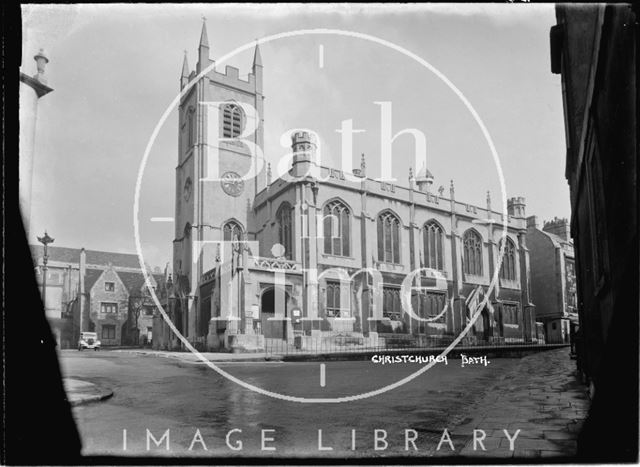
[
  {"x": 329, "y": 255},
  {"x": 389, "y": 266},
  {"x": 507, "y": 284},
  {"x": 474, "y": 278}
]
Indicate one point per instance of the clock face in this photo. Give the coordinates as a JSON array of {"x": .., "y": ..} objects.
[
  {"x": 187, "y": 189},
  {"x": 232, "y": 184}
]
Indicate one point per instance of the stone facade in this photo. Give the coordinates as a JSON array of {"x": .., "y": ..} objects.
[
  {"x": 553, "y": 277},
  {"x": 285, "y": 283},
  {"x": 109, "y": 307},
  {"x": 595, "y": 50}
]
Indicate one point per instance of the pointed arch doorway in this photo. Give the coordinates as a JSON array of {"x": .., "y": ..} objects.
[{"x": 271, "y": 308}]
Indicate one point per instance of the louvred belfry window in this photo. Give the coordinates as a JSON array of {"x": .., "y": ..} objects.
[{"x": 231, "y": 121}]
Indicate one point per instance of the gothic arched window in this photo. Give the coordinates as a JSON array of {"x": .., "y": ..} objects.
[
  {"x": 231, "y": 121},
  {"x": 472, "y": 253},
  {"x": 231, "y": 231},
  {"x": 388, "y": 238},
  {"x": 285, "y": 229},
  {"x": 336, "y": 229},
  {"x": 508, "y": 268},
  {"x": 433, "y": 238}
]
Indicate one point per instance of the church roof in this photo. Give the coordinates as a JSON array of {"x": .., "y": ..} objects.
[
  {"x": 93, "y": 257},
  {"x": 133, "y": 281},
  {"x": 91, "y": 277},
  {"x": 558, "y": 241}
]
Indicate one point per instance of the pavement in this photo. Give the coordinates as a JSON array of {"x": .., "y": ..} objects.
[
  {"x": 82, "y": 392},
  {"x": 538, "y": 395},
  {"x": 543, "y": 398}
]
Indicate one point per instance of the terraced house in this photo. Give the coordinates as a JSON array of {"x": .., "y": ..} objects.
[
  {"x": 100, "y": 291},
  {"x": 318, "y": 256}
]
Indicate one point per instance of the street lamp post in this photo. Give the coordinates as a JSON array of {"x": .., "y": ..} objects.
[{"x": 45, "y": 240}]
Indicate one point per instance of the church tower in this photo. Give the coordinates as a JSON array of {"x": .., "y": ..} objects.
[{"x": 213, "y": 205}]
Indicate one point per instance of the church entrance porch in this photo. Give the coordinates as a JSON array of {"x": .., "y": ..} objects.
[{"x": 274, "y": 317}]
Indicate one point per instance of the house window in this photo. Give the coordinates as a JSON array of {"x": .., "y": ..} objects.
[
  {"x": 391, "y": 305},
  {"x": 283, "y": 218},
  {"x": 108, "y": 307},
  {"x": 472, "y": 253},
  {"x": 108, "y": 331},
  {"x": 231, "y": 121},
  {"x": 508, "y": 267},
  {"x": 232, "y": 231},
  {"x": 109, "y": 286},
  {"x": 388, "y": 238},
  {"x": 571, "y": 289},
  {"x": 433, "y": 239},
  {"x": 336, "y": 229},
  {"x": 510, "y": 313},
  {"x": 148, "y": 310},
  {"x": 332, "y": 305}
]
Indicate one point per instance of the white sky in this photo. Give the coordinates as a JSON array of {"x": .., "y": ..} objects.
[{"x": 116, "y": 68}]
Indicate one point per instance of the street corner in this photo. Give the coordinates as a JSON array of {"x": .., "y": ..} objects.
[{"x": 83, "y": 392}]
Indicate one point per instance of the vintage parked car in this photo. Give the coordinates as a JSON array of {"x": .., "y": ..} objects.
[{"x": 88, "y": 340}]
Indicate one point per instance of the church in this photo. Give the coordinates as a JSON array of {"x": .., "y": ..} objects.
[{"x": 320, "y": 259}]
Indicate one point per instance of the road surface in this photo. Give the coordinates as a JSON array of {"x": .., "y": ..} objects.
[{"x": 216, "y": 417}]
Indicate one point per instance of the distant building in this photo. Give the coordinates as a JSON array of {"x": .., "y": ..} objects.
[
  {"x": 595, "y": 49},
  {"x": 553, "y": 277},
  {"x": 108, "y": 287}
]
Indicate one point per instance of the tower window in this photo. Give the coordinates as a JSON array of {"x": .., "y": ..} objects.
[
  {"x": 231, "y": 121},
  {"x": 232, "y": 231}
]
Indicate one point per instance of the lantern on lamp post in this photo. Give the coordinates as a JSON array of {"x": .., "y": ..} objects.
[{"x": 45, "y": 240}]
